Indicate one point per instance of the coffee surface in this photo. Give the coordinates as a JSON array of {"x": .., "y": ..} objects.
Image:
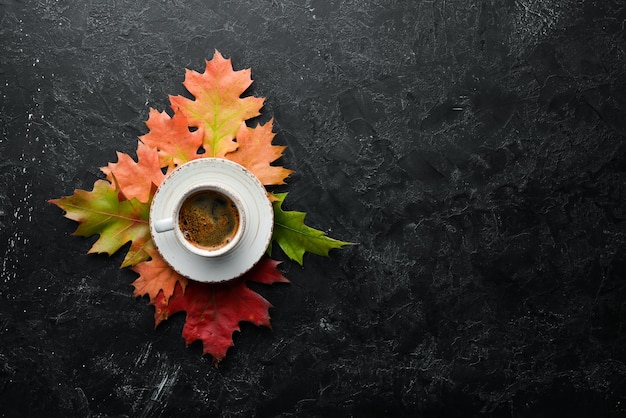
[{"x": 208, "y": 219}]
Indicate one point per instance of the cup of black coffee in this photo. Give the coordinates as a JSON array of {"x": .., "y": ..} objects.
[
  {"x": 208, "y": 220},
  {"x": 211, "y": 220}
]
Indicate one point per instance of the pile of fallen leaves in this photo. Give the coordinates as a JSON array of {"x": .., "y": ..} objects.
[{"x": 118, "y": 207}]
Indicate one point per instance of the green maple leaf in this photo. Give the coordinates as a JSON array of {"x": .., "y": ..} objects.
[
  {"x": 295, "y": 238},
  {"x": 117, "y": 222}
]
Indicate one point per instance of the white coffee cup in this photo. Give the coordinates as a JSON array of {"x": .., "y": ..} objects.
[
  {"x": 229, "y": 259},
  {"x": 184, "y": 235}
]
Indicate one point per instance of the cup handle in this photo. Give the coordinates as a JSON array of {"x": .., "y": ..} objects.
[{"x": 163, "y": 225}]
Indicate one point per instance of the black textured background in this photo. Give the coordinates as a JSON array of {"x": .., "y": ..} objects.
[{"x": 473, "y": 148}]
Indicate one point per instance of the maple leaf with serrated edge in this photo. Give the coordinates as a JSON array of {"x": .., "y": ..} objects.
[
  {"x": 100, "y": 212},
  {"x": 295, "y": 238},
  {"x": 171, "y": 138},
  {"x": 218, "y": 108},
  {"x": 255, "y": 152},
  {"x": 214, "y": 310},
  {"x": 136, "y": 179},
  {"x": 156, "y": 276}
]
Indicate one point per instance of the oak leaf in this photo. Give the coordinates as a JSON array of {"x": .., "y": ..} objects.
[
  {"x": 214, "y": 310},
  {"x": 156, "y": 276},
  {"x": 171, "y": 138},
  {"x": 218, "y": 109},
  {"x": 256, "y": 152},
  {"x": 136, "y": 179},
  {"x": 117, "y": 222},
  {"x": 295, "y": 238}
]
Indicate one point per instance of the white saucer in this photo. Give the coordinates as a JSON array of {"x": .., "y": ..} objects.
[{"x": 256, "y": 235}]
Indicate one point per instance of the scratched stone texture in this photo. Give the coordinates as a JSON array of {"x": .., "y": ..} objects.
[{"x": 473, "y": 149}]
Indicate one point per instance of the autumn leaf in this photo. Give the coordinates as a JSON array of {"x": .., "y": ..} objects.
[
  {"x": 117, "y": 209},
  {"x": 136, "y": 179},
  {"x": 157, "y": 276},
  {"x": 171, "y": 138},
  {"x": 256, "y": 152},
  {"x": 295, "y": 238},
  {"x": 214, "y": 310},
  {"x": 218, "y": 109},
  {"x": 100, "y": 212}
]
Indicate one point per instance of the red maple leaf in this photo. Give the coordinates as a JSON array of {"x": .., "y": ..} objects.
[{"x": 214, "y": 310}]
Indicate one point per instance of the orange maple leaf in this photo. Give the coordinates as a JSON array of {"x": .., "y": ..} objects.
[
  {"x": 156, "y": 276},
  {"x": 218, "y": 108},
  {"x": 136, "y": 179},
  {"x": 214, "y": 310},
  {"x": 171, "y": 138},
  {"x": 256, "y": 152}
]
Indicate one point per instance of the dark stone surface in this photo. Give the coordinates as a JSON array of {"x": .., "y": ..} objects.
[{"x": 473, "y": 149}]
